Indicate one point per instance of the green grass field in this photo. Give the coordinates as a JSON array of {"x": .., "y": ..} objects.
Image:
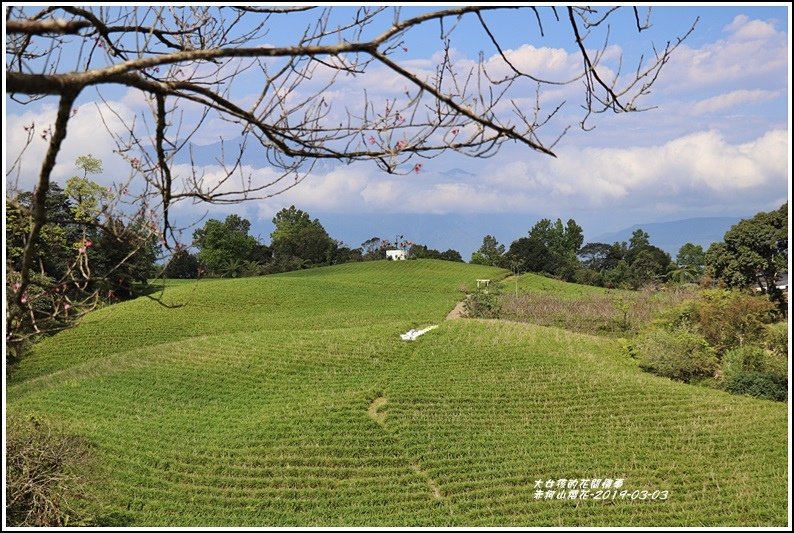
[
  {"x": 529, "y": 282},
  {"x": 290, "y": 400}
]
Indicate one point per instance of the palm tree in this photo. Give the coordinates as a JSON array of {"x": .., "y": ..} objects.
[{"x": 232, "y": 268}]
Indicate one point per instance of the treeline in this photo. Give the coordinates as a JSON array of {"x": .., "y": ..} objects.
[
  {"x": 753, "y": 254},
  {"x": 556, "y": 250},
  {"x": 226, "y": 249}
]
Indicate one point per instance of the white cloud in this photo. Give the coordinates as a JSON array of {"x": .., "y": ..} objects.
[
  {"x": 696, "y": 169},
  {"x": 733, "y": 99},
  {"x": 86, "y": 134},
  {"x": 753, "y": 52},
  {"x": 742, "y": 28}
]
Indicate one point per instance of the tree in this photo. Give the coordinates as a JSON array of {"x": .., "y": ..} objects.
[
  {"x": 691, "y": 256},
  {"x": 221, "y": 243},
  {"x": 451, "y": 255},
  {"x": 182, "y": 265},
  {"x": 648, "y": 266},
  {"x": 296, "y": 235},
  {"x": 88, "y": 252},
  {"x": 754, "y": 253},
  {"x": 490, "y": 253},
  {"x": 594, "y": 255},
  {"x": 175, "y": 57},
  {"x": 551, "y": 248},
  {"x": 689, "y": 264},
  {"x": 373, "y": 248},
  {"x": 639, "y": 241}
]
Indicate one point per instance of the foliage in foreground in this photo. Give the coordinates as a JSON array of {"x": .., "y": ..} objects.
[{"x": 43, "y": 465}]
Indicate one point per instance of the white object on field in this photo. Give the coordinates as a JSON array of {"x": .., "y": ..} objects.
[{"x": 412, "y": 334}]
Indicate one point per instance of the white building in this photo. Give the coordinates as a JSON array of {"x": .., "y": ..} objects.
[{"x": 395, "y": 255}]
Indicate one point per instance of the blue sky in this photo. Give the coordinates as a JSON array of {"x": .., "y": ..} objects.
[{"x": 716, "y": 144}]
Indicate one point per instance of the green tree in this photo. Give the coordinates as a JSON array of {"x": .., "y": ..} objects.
[
  {"x": 595, "y": 255},
  {"x": 639, "y": 241},
  {"x": 689, "y": 264},
  {"x": 123, "y": 257},
  {"x": 373, "y": 249},
  {"x": 296, "y": 235},
  {"x": 490, "y": 253},
  {"x": 754, "y": 253},
  {"x": 648, "y": 266},
  {"x": 182, "y": 265},
  {"x": 451, "y": 255},
  {"x": 551, "y": 247},
  {"x": 220, "y": 243},
  {"x": 691, "y": 256},
  {"x": 52, "y": 250}
]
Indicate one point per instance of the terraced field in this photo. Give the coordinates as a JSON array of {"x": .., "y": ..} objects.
[
  {"x": 290, "y": 400},
  {"x": 530, "y": 282}
]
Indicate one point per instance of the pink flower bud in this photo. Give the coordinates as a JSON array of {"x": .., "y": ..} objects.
[
  {"x": 400, "y": 145},
  {"x": 417, "y": 167}
]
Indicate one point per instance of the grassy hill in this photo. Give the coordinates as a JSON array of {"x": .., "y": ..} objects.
[
  {"x": 530, "y": 282},
  {"x": 290, "y": 400}
]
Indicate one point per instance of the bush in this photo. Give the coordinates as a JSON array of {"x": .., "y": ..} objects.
[
  {"x": 755, "y": 371},
  {"x": 42, "y": 465},
  {"x": 484, "y": 303},
  {"x": 758, "y": 384},
  {"x": 678, "y": 355},
  {"x": 776, "y": 338},
  {"x": 725, "y": 318},
  {"x": 742, "y": 359}
]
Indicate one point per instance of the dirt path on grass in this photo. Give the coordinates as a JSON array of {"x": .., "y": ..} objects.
[{"x": 458, "y": 311}]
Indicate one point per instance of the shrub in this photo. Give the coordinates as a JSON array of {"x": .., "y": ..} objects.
[
  {"x": 725, "y": 318},
  {"x": 758, "y": 384},
  {"x": 42, "y": 465},
  {"x": 678, "y": 355},
  {"x": 755, "y": 371},
  {"x": 484, "y": 303},
  {"x": 776, "y": 338},
  {"x": 742, "y": 359}
]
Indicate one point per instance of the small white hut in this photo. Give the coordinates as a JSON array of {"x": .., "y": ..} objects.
[{"x": 395, "y": 255}]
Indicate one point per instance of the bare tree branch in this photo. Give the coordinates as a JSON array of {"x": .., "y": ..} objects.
[{"x": 306, "y": 99}]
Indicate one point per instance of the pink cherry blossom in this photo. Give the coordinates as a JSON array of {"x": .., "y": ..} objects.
[
  {"x": 400, "y": 145},
  {"x": 417, "y": 167},
  {"x": 371, "y": 140}
]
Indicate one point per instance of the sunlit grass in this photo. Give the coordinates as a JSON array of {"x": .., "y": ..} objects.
[{"x": 290, "y": 400}]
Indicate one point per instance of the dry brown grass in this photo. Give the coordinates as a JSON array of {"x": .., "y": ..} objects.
[{"x": 612, "y": 313}]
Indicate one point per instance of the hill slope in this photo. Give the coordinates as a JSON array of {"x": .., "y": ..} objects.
[{"x": 290, "y": 400}]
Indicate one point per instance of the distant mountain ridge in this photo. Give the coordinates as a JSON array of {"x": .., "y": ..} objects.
[{"x": 670, "y": 236}]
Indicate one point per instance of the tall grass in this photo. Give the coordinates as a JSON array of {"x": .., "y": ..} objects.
[{"x": 608, "y": 312}]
